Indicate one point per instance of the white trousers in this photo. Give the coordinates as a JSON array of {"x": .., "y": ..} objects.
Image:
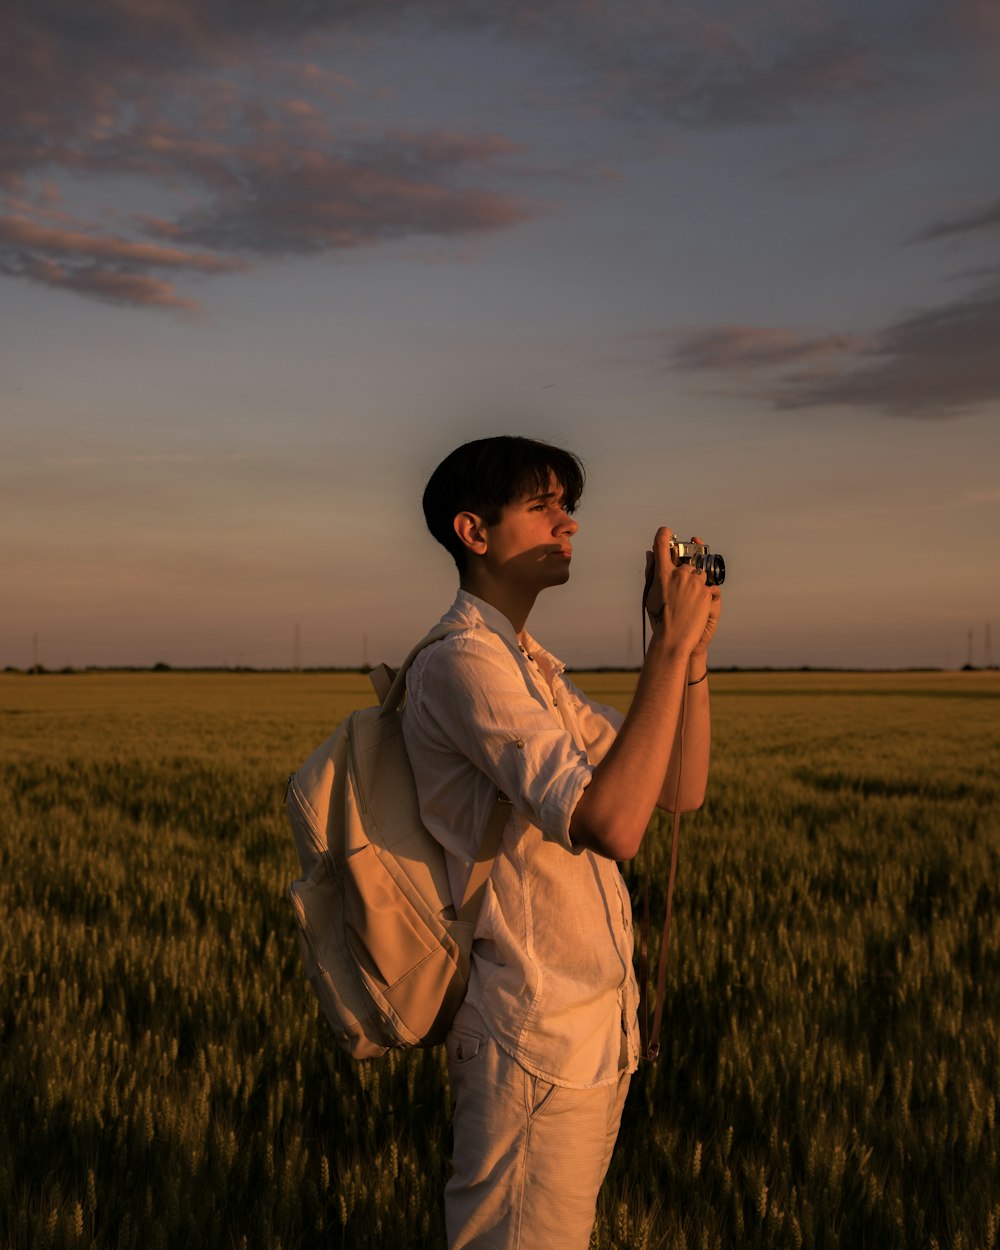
[{"x": 529, "y": 1157}]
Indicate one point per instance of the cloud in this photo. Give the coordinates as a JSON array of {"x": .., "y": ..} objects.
[
  {"x": 744, "y": 85},
  {"x": 285, "y": 200},
  {"x": 19, "y": 231},
  {"x": 976, "y": 19},
  {"x": 102, "y": 266},
  {"x": 145, "y": 89},
  {"x": 739, "y": 348},
  {"x": 941, "y": 362},
  {"x": 151, "y": 90},
  {"x": 730, "y": 65},
  {"x": 713, "y": 65},
  {"x": 751, "y": 65},
  {"x": 267, "y": 189},
  {"x": 984, "y": 218},
  {"x": 111, "y": 285}
]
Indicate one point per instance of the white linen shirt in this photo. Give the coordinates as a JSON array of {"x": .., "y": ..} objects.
[{"x": 552, "y": 972}]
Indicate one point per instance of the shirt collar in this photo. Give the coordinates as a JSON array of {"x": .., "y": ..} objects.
[{"x": 470, "y": 608}]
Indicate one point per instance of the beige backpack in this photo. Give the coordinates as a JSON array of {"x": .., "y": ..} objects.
[{"x": 385, "y": 947}]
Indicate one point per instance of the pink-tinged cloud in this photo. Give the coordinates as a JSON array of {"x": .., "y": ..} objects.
[
  {"x": 21, "y": 232},
  {"x": 942, "y": 362},
  {"x": 805, "y": 76},
  {"x": 748, "y": 65},
  {"x": 739, "y": 348},
  {"x": 451, "y": 147},
  {"x": 142, "y": 88},
  {"x": 317, "y": 77},
  {"x": 129, "y": 87},
  {"x": 273, "y": 183},
  {"x": 302, "y": 110},
  {"x": 978, "y": 20},
  {"x": 67, "y": 68},
  {"x": 74, "y": 258},
  {"x": 111, "y": 285},
  {"x": 273, "y": 196}
]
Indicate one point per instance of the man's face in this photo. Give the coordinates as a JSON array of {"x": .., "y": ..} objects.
[{"x": 532, "y": 541}]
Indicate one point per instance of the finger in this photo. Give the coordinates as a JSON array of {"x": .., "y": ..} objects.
[
  {"x": 662, "y": 548},
  {"x": 662, "y": 537}
]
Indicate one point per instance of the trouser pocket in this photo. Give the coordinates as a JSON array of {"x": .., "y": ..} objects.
[
  {"x": 540, "y": 1094},
  {"x": 467, "y": 1036}
]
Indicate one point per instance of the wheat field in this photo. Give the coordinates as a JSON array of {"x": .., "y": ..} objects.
[{"x": 831, "y": 1059}]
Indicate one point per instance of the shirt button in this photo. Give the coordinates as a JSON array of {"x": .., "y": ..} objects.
[{"x": 519, "y": 743}]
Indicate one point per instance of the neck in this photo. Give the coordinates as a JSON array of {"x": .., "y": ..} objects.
[{"x": 515, "y": 604}]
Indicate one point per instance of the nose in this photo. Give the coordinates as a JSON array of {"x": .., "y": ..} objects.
[{"x": 565, "y": 524}]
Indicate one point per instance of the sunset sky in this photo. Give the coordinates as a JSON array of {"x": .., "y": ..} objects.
[{"x": 263, "y": 264}]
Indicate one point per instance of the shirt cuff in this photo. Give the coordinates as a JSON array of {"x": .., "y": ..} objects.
[{"x": 560, "y": 803}]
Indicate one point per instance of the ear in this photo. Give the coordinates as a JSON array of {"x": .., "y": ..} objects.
[{"x": 471, "y": 531}]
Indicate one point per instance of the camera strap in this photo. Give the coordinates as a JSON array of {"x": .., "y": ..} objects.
[{"x": 650, "y": 1040}]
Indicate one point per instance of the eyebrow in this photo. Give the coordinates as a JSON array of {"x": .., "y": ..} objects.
[{"x": 548, "y": 494}]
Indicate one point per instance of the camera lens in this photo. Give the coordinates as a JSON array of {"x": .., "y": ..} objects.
[{"x": 715, "y": 570}]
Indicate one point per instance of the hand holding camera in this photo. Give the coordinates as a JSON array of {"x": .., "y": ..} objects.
[{"x": 682, "y": 594}]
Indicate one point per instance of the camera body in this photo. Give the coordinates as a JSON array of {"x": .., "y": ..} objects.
[{"x": 698, "y": 554}]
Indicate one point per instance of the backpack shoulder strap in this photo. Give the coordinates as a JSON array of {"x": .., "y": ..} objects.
[
  {"x": 393, "y": 695},
  {"x": 382, "y": 678}
]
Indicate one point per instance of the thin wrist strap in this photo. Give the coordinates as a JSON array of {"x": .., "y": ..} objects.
[{"x": 698, "y": 679}]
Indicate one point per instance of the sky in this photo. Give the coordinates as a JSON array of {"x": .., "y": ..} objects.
[{"x": 264, "y": 264}]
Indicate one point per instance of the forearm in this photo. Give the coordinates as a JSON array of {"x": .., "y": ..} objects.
[
  {"x": 614, "y": 810},
  {"x": 612, "y": 813},
  {"x": 686, "y": 777}
]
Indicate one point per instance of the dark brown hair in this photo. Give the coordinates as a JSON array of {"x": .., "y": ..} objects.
[{"x": 484, "y": 476}]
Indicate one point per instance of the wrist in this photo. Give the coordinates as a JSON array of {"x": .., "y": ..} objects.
[
  {"x": 666, "y": 650},
  {"x": 697, "y": 666}
]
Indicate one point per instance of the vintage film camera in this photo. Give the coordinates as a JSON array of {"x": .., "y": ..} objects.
[{"x": 698, "y": 554}]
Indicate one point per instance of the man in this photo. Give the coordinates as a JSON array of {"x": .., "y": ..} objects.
[{"x": 541, "y": 1051}]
